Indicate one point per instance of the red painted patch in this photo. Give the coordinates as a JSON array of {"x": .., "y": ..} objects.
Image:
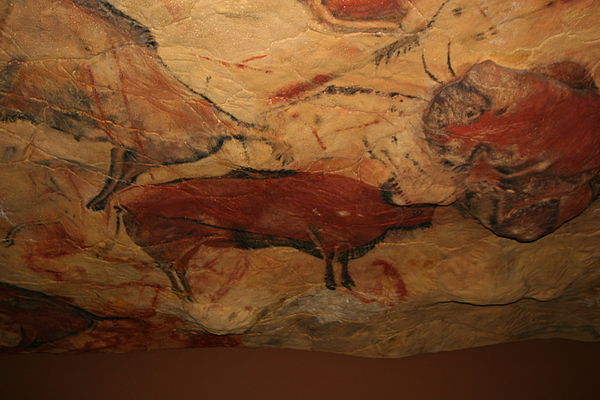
[
  {"x": 381, "y": 283},
  {"x": 237, "y": 65},
  {"x": 321, "y": 79},
  {"x": 233, "y": 277},
  {"x": 41, "y": 318},
  {"x": 98, "y": 103},
  {"x": 319, "y": 140},
  {"x": 297, "y": 89},
  {"x": 394, "y": 276},
  {"x": 558, "y": 125},
  {"x": 51, "y": 241},
  {"x": 367, "y": 9},
  {"x": 253, "y": 58},
  {"x": 359, "y": 126}
]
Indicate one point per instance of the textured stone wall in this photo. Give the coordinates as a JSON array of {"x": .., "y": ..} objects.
[{"x": 372, "y": 177}]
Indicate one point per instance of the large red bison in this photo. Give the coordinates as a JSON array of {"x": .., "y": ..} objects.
[{"x": 328, "y": 216}]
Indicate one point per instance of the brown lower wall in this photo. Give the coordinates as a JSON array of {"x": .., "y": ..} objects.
[{"x": 542, "y": 369}]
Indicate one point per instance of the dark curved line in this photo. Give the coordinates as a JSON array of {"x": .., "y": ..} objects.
[{"x": 153, "y": 45}]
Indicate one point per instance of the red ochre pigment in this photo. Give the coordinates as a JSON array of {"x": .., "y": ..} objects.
[{"x": 367, "y": 9}]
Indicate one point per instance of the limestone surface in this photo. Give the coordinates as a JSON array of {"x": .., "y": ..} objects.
[{"x": 371, "y": 177}]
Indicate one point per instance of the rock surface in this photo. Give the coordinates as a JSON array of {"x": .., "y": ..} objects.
[{"x": 369, "y": 177}]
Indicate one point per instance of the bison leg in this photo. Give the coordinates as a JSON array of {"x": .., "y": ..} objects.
[
  {"x": 328, "y": 256},
  {"x": 329, "y": 275},
  {"x": 180, "y": 268},
  {"x": 167, "y": 268},
  {"x": 123, "y": 171},
  {"x": 179, "y": 284},
  {"x": 186, "y": 291},
  {"x": 347, "y": 280}
]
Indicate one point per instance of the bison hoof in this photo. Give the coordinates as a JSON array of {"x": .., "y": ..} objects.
[
  {"x": 348, "y": 283},
  {"x": 282, "y": 152},
  {"x": 96, "y": 204},
  {"x": 186, "y": 297}
]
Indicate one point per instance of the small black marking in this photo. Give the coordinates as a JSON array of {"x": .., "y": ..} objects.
[
  {"x": 349, "y": 90},
  {"x": 449, "y": 62},
  {"x": 395, "y": 49},
  {"x": 433, "y": 77},
  {"x": 251, "y": 173},
  {"x": 501, "y": 111}
]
